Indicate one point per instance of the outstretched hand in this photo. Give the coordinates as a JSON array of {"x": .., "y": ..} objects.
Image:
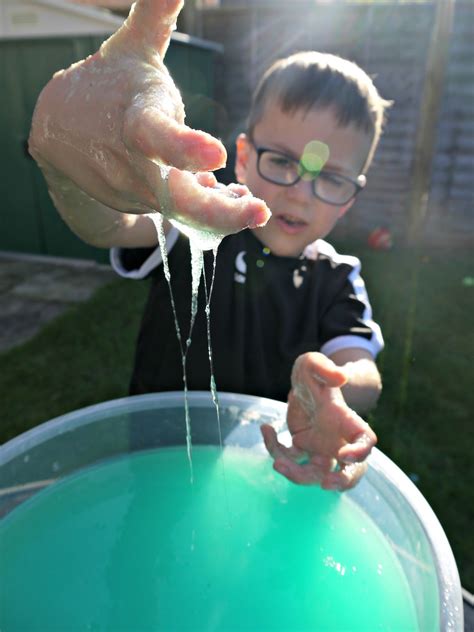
[
  {"x": 113, "y": 125},
  {"x": 330, "y": 441}
]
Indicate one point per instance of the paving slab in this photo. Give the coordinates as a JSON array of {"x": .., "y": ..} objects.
[
  {"x": 21, "y": 319},
  {"x": 34, "y": 290},
  {"x": 62, "y": 285}
]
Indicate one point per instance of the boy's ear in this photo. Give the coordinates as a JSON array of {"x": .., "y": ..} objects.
[
  {"x": 241, "y": 158},
  {"x": 343, "y": 210}
]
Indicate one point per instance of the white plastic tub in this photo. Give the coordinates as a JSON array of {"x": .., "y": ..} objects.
[{"x": 63, "y": 446}]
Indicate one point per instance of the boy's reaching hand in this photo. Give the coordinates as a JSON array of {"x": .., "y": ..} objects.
[
  {"x": 330, "y": 440},
  {"x": 113, "y": 125}
]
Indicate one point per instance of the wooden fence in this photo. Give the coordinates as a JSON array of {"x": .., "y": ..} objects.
[{"x": 391, "y": 42}]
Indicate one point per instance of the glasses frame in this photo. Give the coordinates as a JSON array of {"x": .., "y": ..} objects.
[{"x": 359, "y": 183}]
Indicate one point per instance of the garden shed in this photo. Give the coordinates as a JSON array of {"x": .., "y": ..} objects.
[{"x": 37, "y": 38}]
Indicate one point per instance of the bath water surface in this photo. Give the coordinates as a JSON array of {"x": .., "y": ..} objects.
[{"x": 131, "y": 544}]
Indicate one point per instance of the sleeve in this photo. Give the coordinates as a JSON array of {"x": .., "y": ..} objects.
[
  {"x": 139, "y": 263},
  {"x": 347, "y": 322}
]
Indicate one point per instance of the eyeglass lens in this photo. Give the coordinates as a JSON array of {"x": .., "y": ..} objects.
[{"x": 326, "y": 185}]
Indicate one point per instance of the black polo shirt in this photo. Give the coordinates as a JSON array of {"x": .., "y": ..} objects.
[{"x": 265, "y": 312}]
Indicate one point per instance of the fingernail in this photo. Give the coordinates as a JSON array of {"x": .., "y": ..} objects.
[
  {"x": 261, "y": 217},
  {"x": 211, "y": 154}
]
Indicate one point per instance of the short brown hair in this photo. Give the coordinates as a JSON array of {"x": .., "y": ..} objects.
[{"x": 311, "y": 80}]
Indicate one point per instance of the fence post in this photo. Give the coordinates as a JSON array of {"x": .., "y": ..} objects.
[{"x": 425, "y": 143}]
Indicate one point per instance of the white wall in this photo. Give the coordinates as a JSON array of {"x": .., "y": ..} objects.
[{"x": 46, "y": 18}]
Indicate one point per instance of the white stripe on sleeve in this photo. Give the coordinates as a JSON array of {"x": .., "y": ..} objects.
[
  {"x": 153, "y": 261},
  {"x": 375, "y": 343}
]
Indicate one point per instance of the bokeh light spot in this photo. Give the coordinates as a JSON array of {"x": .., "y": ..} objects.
[{"x": 315, "y": 156}]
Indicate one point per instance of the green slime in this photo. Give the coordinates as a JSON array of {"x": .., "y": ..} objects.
[{"x": 131, "y": 544}]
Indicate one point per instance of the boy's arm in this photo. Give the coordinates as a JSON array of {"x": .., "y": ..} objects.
[
  {"x": 112, "y": 126},
  {"x": 330, "y": 441},
  {"x": 364, "y": 384}
]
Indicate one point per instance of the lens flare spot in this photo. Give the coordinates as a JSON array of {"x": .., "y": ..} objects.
[{"x": 315, "y": 156}]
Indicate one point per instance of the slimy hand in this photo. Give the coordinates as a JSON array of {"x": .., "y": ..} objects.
[
  {"x": 330, "y": 441},
  {"x": 113, "y": 125}
]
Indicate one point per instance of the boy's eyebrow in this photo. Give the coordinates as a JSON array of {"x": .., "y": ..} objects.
[{"x": 285, "y": 150}]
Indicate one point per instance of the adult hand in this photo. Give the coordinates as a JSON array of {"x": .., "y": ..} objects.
[
  {"x": 113, "y": 125},
  {"x": 330, "y": 441}
]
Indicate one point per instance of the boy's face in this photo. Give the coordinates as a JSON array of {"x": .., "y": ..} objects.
[{"x": 298, "y": 217}]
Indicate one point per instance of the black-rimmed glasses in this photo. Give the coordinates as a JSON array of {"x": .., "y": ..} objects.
[{"x": 328, "y": 186}]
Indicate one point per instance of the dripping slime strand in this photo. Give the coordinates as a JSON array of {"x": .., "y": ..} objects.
[
  {"x": 157, "y": 219},
  {"x": 209, "y": 347},
  {"x": 213, "y": 388}
]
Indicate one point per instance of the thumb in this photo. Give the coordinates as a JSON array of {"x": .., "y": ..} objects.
[
  {"x": 314, "y": 366},
  {"x": 149, "y": 25},
  {"x": 160, "y": 138}
]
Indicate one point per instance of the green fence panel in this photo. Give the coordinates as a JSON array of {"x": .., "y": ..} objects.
[
  {"x": 19, "y": 229},
  {"x": 29, "y": 222}
]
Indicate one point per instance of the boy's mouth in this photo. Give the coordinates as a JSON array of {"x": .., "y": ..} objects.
[{"x": 289, "y": 224}]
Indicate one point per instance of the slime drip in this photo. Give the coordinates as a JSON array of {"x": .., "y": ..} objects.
[
  {"x": 198, "y": 241},
  {"x": 209, "y": 348},
  {"x": 158, "y": 221},
  {"x": 213, "y": 388}
]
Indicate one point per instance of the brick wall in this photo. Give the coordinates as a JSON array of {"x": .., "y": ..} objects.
[{"x": 390, "y": 41}]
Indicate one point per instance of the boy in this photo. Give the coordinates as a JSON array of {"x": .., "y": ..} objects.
[{"x": 280, "y": 293}]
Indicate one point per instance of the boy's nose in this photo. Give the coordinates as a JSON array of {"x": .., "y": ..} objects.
[{"x": 301, "y": 191}]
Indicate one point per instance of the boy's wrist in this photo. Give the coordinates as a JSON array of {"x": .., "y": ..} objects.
[{"x": 363, "y": 386}]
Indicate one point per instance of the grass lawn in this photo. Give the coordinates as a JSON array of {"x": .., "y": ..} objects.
[{"x": 424, "y": 302}]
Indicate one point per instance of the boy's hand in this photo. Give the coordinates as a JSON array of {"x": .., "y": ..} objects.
[
  {"x": 113, "y": 124},
  {"x": 330, "y": 441}
]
